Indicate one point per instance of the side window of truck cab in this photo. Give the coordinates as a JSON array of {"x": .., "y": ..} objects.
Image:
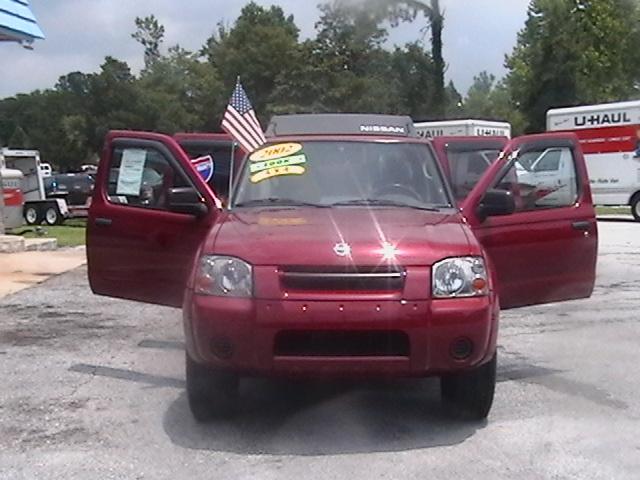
[
  {"x": 542, "y": 179},
  {"x": 142, "y": 177}
]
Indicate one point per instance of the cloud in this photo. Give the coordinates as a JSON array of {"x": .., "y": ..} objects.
[{"x": 81, "y": 33}]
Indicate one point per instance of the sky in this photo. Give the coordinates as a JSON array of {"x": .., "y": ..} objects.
[{"x": 80, "y": 33}]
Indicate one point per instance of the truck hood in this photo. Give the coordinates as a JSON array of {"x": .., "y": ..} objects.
[{"x": 309, "y": 236}]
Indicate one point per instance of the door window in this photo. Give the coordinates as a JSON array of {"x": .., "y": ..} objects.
[
  {"x": 544, "y": 178},
  {"x": 142, "y": 177},
  {"x": 549, "y": 161},
  {"x": 221, "y": 155},
  {"x": 467, "y": 167}
]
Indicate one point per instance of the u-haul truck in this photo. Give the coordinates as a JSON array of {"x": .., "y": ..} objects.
[
  {"x": 37, "y": 207},
  {"x": 610, "y": 138},
  {"x": 463, "y": 128}
]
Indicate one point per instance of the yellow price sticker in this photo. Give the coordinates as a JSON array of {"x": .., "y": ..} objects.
[
  {"x": 277, "y": 172},
  {"x": 273, "y": 152},
  {"x": 278, "y": 162}
]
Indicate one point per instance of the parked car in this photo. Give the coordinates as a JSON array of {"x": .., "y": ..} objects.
[{"x": 343, "y": 252}]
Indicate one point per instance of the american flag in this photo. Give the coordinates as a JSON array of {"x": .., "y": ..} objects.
[{"x": 240, "y": 121}]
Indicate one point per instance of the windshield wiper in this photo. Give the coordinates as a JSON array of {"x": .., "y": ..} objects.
[
  {"x": 278, "y": 202},
  {"x": 383, "y": 203}
]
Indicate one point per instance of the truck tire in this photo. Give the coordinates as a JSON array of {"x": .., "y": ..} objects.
[
  {"x": 635, "y": 207},
  {"x": 52, "y": 215},
  {"x": 211, "y": 393},
  {"x": 32, "y": 215},
  {"x": 469, "y": 395}
]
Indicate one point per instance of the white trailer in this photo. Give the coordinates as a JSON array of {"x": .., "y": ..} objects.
[
  {"x": 610, "y": 138},
  {"x": 464, "y": 128},
  {"x": 37, "y": 207}
]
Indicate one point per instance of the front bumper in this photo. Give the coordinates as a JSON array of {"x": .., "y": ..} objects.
[{"x": 240, "y": 334}]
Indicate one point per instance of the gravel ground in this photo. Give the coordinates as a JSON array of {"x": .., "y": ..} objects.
[{"x": 94, "y": 388}]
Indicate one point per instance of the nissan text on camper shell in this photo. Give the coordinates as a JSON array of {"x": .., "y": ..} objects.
[{"x": 342, "y": 253}]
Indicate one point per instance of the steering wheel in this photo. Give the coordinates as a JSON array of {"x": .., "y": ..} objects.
[{"x": 398, "y": 188}]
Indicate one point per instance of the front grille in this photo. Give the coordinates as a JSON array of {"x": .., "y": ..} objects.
[
  {"x": 350, "y": 279},
  {"x": 341, "y": 344}
]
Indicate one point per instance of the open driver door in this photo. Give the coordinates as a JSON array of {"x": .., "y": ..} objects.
[{"x": 150, "y": 214}]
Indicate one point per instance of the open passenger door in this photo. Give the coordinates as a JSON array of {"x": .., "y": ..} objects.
[
  {"x": 540, "y": 235},
  {"x": 150, "y": 213}
]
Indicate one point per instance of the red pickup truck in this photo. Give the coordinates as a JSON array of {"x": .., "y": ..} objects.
[{"x": 343, "y": 251}]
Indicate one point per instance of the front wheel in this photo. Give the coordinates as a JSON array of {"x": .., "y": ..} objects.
[
  {"x": 635, "y": 207},
  {"x": 469, "y": 395},
  {"x": 211, "y": 393}
]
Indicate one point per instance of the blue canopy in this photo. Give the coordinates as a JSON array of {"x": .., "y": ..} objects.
[{"x": 17, "y": 22}]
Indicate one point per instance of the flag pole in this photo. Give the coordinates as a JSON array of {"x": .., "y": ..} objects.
[{"x": 232, "y": 163}]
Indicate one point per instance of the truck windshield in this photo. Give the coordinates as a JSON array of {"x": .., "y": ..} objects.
[{"x": 341, "y": 173}]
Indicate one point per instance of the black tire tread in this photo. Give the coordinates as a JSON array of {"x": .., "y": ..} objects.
[
  {"x": 634, "y": 206},
  {"x": 211, "y": 394},
  {"x": 469, "y": 395}
]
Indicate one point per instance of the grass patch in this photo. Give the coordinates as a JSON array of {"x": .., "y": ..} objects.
[
  {"x": 613, "y": 210},
  {"x": 71, "y": 234}
]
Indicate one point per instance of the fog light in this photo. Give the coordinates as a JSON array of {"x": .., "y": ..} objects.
[
  {"x": 222, "y": 348},
  {"x": 461, "y": 349}
]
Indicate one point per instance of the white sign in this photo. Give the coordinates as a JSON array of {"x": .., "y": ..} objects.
[
  {"x": 131, "y": 170},
  {"x": 594, "y": 116}
]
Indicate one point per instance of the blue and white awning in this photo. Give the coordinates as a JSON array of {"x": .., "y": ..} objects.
[{"x": 17, "y": 22}]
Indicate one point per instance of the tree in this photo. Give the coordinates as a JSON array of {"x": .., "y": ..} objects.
[
  {"x": 260, "y": 47},
  {"x": 179, "y": 92},
  {"x": 574, "y": 52},
  {"x": 150, "y": 34},
  {"x": 350, "y": 66},
  {"x": 453, "y": 108},
  {"x": 20, "y": 139},
  {"x": 408, "y": 10},
  {"x": 414, "y": 69},
  {"x": 489, "y": 99}
]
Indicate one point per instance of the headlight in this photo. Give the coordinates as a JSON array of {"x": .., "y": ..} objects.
[
  {"x": 460, "y": 277},
  {"x": 224, "y": 277}
]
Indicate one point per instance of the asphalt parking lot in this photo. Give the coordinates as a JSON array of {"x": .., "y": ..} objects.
[{"x": 94, "y": 388}]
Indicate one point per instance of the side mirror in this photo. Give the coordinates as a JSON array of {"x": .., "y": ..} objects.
[
  {"x": 187, "y": 200},
  {"x": 496, "y": 203}
]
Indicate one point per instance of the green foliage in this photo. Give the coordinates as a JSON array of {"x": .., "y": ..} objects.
[
  {"x": 574, "y": 52},
  {"x": 20, "y": 139},
  {"x": 489, "y": 99},
  {"x": 408, "y": 10},
  {"x": 347, "y": 68},
  {"x": 150, "y": 34},
  {"x": 570, "y": 52},
  {"x": 180, "y": 93},
  {"x": 260, "y": 48}
]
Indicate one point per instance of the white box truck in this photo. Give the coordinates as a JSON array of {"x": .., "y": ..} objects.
[
  {"x": 464, "y": 128},
  {"x": 610, "y": 138}
]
